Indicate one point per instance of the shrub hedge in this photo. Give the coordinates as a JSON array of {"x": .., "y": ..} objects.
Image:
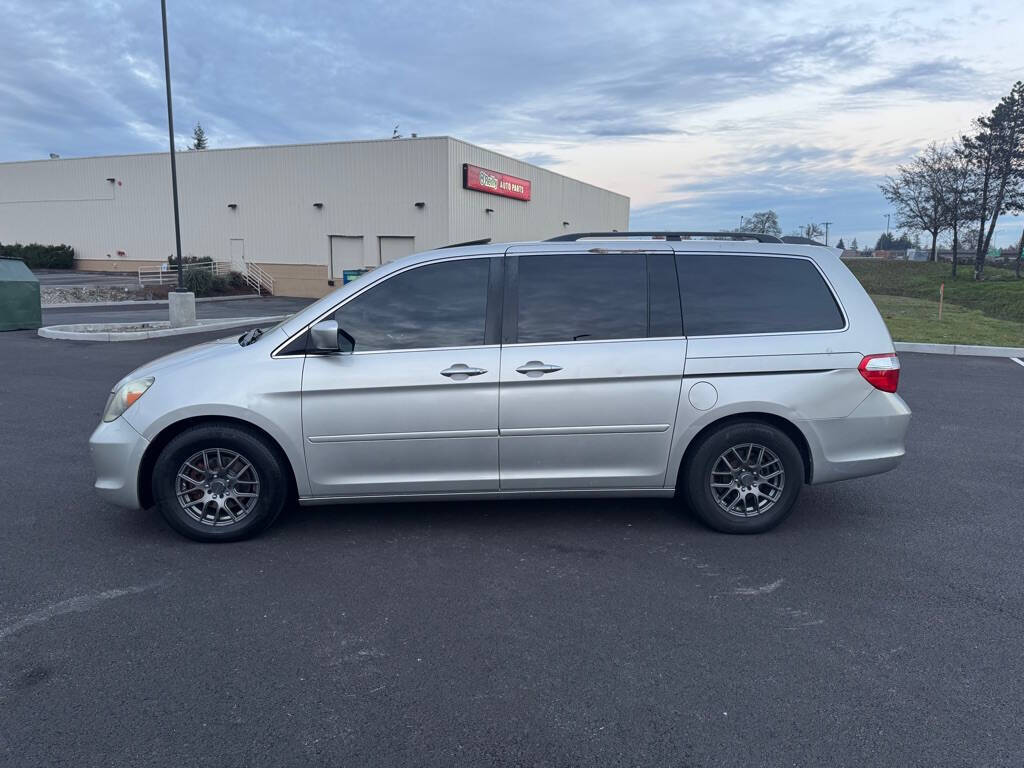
[
  {"x": 190, "y": 259},
  {"x": 202, "y": 282},
  {"x": 199, "y": 281},
  {"x": 38, "y": 256}
]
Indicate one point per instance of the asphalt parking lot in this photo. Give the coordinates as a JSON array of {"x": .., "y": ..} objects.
[{"x": 880, "y": 625}]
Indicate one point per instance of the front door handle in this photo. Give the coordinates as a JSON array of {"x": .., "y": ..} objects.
[
  {"x": 461, "y": 371},
  {"x": 536, "y": 368}
]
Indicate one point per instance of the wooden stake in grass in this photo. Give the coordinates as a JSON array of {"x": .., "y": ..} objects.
[{"x": 942, "y": 292}]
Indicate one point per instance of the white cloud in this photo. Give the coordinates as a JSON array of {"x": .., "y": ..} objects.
[{"x": 696, "y": 109}]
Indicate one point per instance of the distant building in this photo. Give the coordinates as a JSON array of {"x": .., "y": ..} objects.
[{"x": 304, "y": 212}]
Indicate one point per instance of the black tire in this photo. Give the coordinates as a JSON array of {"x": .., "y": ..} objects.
[
  {"x": 708, "y": 455},
  {"x": 269, "y": 468}
]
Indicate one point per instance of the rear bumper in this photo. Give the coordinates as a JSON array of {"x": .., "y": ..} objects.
[
  {"x": 116, "y": 450},
  {"x": 869, "y": 441}
]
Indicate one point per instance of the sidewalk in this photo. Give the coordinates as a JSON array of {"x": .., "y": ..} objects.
[{"x": 126, "y": 313}]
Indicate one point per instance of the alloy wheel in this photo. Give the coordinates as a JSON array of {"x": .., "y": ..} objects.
[
  {"x": 217, "y": 486},
  {"x": 747, "y": 480}
]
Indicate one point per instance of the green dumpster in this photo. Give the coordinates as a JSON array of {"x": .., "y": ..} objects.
[{"x": 19, "y": 296}]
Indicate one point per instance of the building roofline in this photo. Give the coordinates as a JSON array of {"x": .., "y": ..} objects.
[
  {"x": 225, "y": 149},
  {"x": 442, "y": 137},
  {"x": 254, "y": 147}
]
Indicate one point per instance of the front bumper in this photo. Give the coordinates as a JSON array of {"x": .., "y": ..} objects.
[
  {"x": 869, "y": 441},
  {"x": 116, "y": 450}
]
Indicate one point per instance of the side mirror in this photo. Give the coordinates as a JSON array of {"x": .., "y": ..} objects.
[
  {"x": 324, "y": 337},
  {"x": 327, "y": 338}
]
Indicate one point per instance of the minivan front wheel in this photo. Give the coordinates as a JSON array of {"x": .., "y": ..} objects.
[
  {"x": 219, "y": 482},
  {"x": 744, "y": 477}
]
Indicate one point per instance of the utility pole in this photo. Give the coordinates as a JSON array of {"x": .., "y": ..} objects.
[
  {"x": 170, "y": 132},
  {"x": 827, "y": 225},
  {"x": 887, "y": 223}
]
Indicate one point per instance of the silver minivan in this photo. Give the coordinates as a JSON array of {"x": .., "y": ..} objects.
[{"x": 728, "y": 372}]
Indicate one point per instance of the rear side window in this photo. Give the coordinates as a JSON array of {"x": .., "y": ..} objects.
[
  {"x": 733, "y": 294},
  {"x": 582, "y": 297},
  {"x": 594, "y": 296}
]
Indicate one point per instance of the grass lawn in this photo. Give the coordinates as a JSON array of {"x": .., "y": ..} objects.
[
  {"x": 1000, "y": 295},
  {"x": 918, "y": 320}
]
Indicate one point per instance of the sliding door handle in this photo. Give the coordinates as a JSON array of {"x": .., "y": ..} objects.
[
  {"x": 536, "y": 368},
  {"x": 461, "y": 371}
]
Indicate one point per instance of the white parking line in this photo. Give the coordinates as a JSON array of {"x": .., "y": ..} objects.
[{"x": 1017, "y": 360}]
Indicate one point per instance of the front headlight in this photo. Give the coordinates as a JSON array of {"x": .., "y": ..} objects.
[{"x": 121, "y": 399}]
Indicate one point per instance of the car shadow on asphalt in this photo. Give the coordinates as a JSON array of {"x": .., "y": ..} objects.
[
  {"x": 515, "y": 514},
  {"x": 816, "y": 510}
]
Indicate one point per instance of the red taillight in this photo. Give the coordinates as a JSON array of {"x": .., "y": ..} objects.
[{"x": 881, "y": 371}]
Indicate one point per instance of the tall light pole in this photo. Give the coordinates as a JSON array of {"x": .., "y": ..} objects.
[
  {"x": 170, "y": 133},
  {"x": 887, "y": 223},
  {"x": 827, "y": 225}
]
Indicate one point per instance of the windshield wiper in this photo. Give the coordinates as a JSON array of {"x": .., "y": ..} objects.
[{"x": 249, "y": 336}]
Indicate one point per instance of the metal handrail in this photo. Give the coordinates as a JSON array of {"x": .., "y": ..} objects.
[
  {"x": 671, "y": 235},
  {"x": 157, "y": 275},
  {"x": 256, "y": 277},
  {"x": 262, "y": 278}
]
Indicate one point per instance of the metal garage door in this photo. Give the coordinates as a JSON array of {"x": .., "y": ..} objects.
[
  {"x": 392, "y": 247},
  {"x": 346, "y": 253}
]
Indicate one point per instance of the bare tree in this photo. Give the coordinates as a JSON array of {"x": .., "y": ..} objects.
[
  {"x": 916, "y": 192},
  {"x": 762, "y": 223},
  {"x": 813, "y": 231},
  {"x": 956, "y": 193},
  {"x": 996, "y": 151}
]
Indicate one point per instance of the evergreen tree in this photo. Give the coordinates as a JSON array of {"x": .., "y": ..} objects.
[
  {"x": 840, "y": 245},
  {"x": 198, "y": 138},
  {"x": 996, "y": 154},
  {"x": 888, "y": 242}
]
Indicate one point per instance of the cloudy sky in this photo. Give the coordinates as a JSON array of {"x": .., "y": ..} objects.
[{"x": 699, "y": 111}]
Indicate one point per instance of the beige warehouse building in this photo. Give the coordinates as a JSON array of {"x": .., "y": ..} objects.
[{"x": 304, "y": 213}]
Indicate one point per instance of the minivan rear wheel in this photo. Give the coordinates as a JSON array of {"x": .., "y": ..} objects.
[
  {"x": 219, "y": 482},
  {"x": 743, "y": 478}
]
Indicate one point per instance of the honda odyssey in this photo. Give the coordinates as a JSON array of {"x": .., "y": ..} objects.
[{"x": 728, "y": 372}]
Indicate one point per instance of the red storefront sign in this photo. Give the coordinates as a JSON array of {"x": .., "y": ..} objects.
[{"x": 494, "y": 183}]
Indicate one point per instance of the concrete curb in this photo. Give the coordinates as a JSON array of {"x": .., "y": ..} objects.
[
  {"x": 958, "y": 349},
  {"x": 80, "y": 332},
  {"x": 144, "y": 302}
]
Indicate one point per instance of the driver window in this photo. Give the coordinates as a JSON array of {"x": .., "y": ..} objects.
[{"x": 437, "y": 305}]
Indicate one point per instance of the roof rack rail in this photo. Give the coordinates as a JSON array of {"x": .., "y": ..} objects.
[
  {"x": 800, "y": 240},
  {"x": 481, "y": 241},
  {"x": 673, "y": 235}
]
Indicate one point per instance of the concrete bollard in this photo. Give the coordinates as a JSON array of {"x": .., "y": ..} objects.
[{"x": 182, "y": 306}]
